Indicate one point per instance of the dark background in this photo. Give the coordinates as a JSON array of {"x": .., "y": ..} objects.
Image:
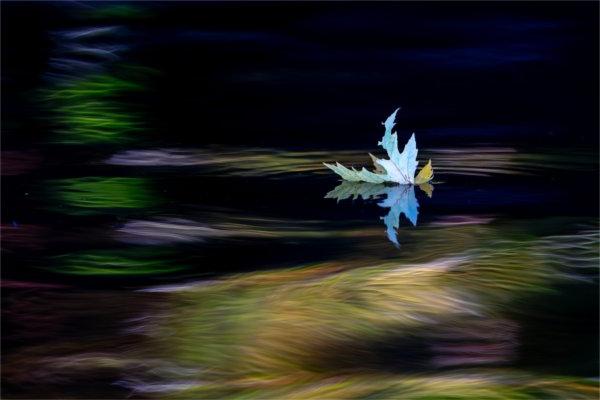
[{"x": 324, "y": 75}]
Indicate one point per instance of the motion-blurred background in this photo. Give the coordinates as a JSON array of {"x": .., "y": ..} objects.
[{"x": 168, "y": 229}]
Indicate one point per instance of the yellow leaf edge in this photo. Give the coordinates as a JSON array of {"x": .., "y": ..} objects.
[{"x": 425, "y": 174}]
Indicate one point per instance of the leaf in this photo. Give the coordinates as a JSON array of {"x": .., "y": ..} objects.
[
  {"x": 378, "y": 168},
  {"x": 353, "y": 175},
  {"x": 399, "y": 168},
  {"x": 389, "y": 141},
  {"x": 425, "y": 174},
  {"x": 407, "y": 161}
]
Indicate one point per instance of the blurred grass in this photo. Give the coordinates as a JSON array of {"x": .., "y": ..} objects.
[
  {"x": 91, "y": 109},
  {"x": 490, "y": 385},
  {"x": 136, "y": 261},
  {"x": 315, "y": 320},
  {"x": 313, "y": 332},
  {"x": 96, "y": 194}
]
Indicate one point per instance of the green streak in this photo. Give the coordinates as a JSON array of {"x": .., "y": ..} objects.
[
  {"x": 89, "y": 111},
  {"x": 87, "y": 194},
  {"x": 115, "y": 263}
]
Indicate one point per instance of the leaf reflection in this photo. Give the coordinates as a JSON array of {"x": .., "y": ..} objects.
[{"x": 399, "y": 199}]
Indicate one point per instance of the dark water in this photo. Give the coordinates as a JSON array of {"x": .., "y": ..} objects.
[{"x": 169, "y": 230}]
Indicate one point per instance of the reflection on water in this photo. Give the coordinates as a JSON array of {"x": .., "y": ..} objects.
[
  {"x": 265, "y": 162},
  {"x": 400, "y": 199},
  {"x": 169, "y": 230},
  {"x": 231, "y": 161}
]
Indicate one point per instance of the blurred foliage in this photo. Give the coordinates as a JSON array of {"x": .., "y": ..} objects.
[
  {"x": 96, "y": 194},
  {"x": 491, "y": 385},
  {"x": 343, "y": 329},
  {"x": 136, "y": 261},
  {"x": 90, "y": 110},
  {"x": 266, "y": 331}
]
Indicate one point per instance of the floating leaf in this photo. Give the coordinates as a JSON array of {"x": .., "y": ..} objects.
[
  {"x": 389, "y": 141},
  {"x": 399, "y": 168},
  {"x": 378, "y": 168},
  {"x": 425, "y": 174},
  {"x": 353, "y": 175}
]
